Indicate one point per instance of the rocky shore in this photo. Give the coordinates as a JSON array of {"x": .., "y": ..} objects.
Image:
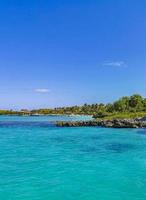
[{"x": 114, "y": 123}]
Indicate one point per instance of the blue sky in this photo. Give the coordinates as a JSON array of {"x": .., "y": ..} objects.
[{"x": 63, "y": 52}]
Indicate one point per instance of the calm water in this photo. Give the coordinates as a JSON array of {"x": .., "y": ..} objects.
[{"x": 39, "y": 161}]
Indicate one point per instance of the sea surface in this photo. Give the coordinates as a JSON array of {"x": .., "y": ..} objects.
[{"x": 39, "y": 161}]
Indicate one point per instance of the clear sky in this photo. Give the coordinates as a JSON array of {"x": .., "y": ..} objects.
[{"x": 64, "y": 52}]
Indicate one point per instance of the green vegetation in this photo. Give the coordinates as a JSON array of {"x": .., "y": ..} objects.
[
  {"x": 126, "y": 115},
  {"x": 8, "y": 112},
  {"x": 126, "y": 107}
]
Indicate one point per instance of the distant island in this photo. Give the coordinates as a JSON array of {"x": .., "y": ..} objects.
[{"x": 127, "y": 107}]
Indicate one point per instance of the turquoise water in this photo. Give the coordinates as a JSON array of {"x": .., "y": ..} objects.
[
  {"x": 39, "y": 161},
  {"x": 48, "y": 118}
]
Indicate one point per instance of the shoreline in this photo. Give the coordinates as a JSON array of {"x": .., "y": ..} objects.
[
  {"x": 115, "y": 123},
  {"x": 41, "y": 115}
]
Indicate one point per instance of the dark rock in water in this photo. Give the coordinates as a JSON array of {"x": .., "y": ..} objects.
[
  {"x": 90, "y": 149},
  {"x": 119, "y": 148},
  {"x": 95, "y": 137},
  {"x": 76, "y": 123},
  {"x": 114, "y": 123}
]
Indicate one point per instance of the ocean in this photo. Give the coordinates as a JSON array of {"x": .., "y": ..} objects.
[{"x": 39, "y": 161}]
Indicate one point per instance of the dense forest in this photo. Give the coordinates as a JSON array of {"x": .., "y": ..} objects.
[{"x": 126, "y": 107}]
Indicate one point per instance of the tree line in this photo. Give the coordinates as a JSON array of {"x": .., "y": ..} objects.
[{"x": 125, "y": 106}]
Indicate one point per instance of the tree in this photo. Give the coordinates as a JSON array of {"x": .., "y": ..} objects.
[
  {"x": 136, "y": 102},
  {"x": 144, "y": 104}
]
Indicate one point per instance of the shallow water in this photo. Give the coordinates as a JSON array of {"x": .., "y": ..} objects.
[{"x": 39, "y": 161}]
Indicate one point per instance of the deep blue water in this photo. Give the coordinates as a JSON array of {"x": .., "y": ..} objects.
[{"x": 39, "y": 161}]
